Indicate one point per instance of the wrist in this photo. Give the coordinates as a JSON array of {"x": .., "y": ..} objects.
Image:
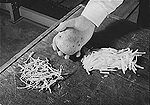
[{"x": 88, "y": 22}]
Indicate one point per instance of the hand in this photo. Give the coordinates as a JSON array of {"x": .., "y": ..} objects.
[{"x": 72, "y": 35}]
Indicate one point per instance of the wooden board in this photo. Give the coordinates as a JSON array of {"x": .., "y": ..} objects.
[{"x": 125, "y": 10}]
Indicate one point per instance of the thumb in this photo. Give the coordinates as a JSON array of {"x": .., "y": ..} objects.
[
  {"x": 78, "y": 54},
  {"x": 66, "y": 24}
]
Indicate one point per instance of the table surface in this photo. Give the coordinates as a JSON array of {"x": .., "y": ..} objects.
[{"x": 80, "y": 88}]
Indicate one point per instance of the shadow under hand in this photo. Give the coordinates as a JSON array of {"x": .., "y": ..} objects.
[{"x": 112, "y": 34}]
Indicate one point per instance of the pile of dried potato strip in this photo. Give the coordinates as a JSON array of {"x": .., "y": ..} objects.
[
  {"x": 109, "y": 59},
  {"x": 38, "y": 74}
]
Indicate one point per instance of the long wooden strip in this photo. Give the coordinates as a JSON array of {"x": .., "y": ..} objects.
[
  {"x": 37, "y": 40},
  {"x": 124, "y": 10}
]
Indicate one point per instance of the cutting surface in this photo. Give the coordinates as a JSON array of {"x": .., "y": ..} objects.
[{"x": 80, "y": 88}]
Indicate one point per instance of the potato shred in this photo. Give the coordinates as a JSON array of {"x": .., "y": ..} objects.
[
  {"x": 38, "y": 74},
  {"x": 108, "y": 59}
]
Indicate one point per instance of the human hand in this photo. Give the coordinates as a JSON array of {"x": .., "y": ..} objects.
[{"x": 72, "y": 35}]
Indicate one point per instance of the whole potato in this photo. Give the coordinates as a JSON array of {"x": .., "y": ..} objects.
[{"x": 69, "y": 41}]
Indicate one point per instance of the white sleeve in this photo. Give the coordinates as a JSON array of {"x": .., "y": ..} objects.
[{"x": 97, "y": 10}]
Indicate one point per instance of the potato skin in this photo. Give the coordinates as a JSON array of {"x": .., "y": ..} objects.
[{"x": 69, "y": 41}]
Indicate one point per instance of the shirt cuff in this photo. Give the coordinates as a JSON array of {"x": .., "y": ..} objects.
[{"x": 95, "y": 12}]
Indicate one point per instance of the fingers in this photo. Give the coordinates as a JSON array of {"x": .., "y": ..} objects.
[
  {"x": 54, "y": 45},
  {"x": 78, "y": 54},
  {"x": 60, "y": 53},
  {"x": 62, "y": 26},
  {"x": 66, "y": 56}
]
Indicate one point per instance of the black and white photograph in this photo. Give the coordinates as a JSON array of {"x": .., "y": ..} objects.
[{"x": 74, "y": 52}]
